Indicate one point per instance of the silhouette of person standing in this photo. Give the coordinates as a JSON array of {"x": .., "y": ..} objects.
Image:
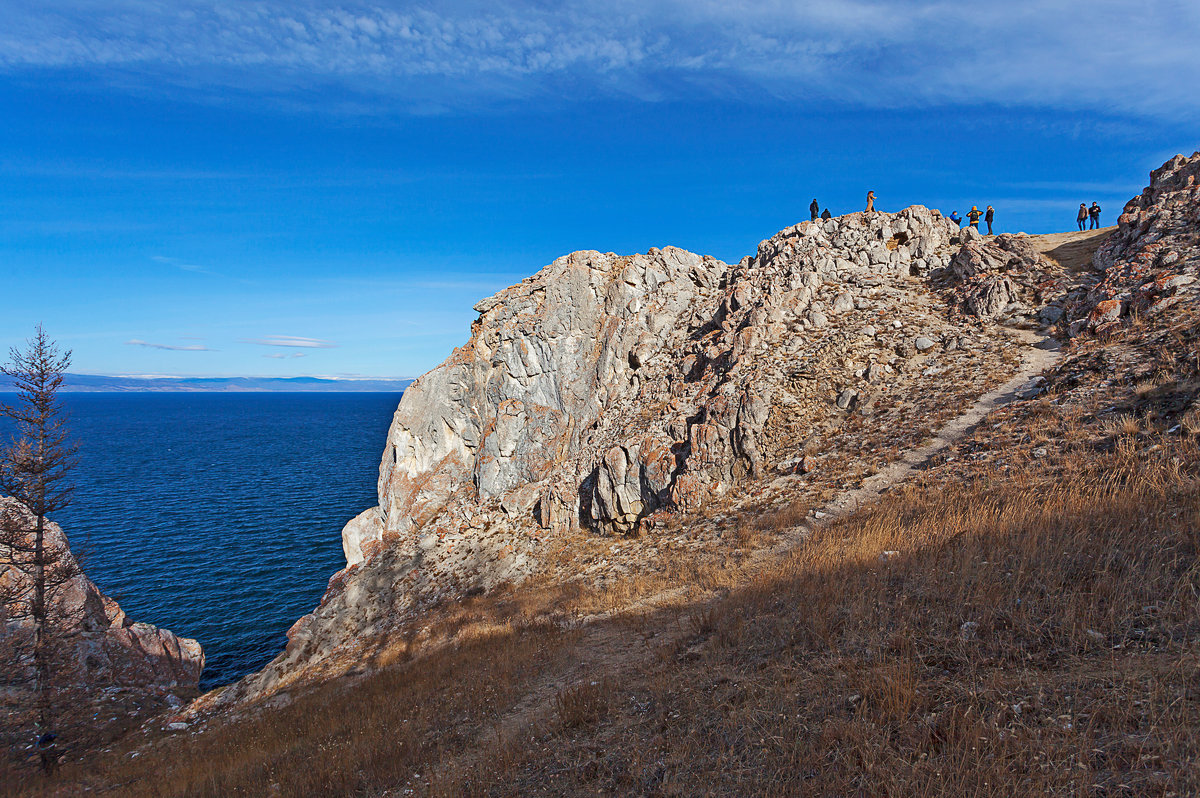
[
  {"x": 814, "y": 209},
  {"x": 1083, "y": 216},
  {"x": 825, "y": 214},
  {"x": 989, "y": 217},
  {"x": 870, "y": 202},
  {"x": 1094, "y": 215}
]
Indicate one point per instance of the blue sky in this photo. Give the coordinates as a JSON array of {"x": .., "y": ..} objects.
[{"x": 311, "y": 187}]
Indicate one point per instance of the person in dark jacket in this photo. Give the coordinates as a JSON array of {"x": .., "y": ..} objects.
[
  {"x": 1094, "y": 215},
  {"x": 989, "y": 217},
  {"x": 814, "y": 209},
  {"x": 825, "y": 214},
  {"x": 973, "y": 216},
  {"x": 1082, "y": 217}
]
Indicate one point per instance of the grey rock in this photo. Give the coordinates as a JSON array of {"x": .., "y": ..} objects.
[
  {"x": 1050, "y": 314},
  {"x": 990, "y": 296},
  {"x": 923, "y": 344}
]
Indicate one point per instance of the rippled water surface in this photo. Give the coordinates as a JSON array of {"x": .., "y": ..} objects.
[{"x": 218, "y": 515}]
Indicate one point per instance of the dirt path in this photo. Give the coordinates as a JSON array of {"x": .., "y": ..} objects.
[{"x": 1073, "y": 250}]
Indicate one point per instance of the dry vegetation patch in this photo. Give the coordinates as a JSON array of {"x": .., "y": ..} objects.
[{"x": 1037, "y": 636}]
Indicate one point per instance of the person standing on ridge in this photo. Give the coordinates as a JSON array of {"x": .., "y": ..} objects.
[
  {"x": 989, "y": 217},
  {"x": 870, "y": 202},
  {"x": 1094, "y": 215},
  {"x": 825, "y": 214},
  {"x": 1083, "y": 216},
  {"x": 814, "y": 209},
  {"x": 973, "y": 216}
]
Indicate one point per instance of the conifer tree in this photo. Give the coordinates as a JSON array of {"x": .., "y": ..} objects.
[{"x": 33, "y": 468}]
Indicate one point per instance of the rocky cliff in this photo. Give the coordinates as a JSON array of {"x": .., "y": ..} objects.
[
  {"x": 1152, "y": 262},
  {"x": 97, "y": 649},
  {"x": 606, "y": 393}
]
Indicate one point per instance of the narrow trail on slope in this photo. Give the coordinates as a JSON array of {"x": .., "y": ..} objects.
[
  {"x": 1040, "y": 354},
  {"x": 627, "y": 638}
]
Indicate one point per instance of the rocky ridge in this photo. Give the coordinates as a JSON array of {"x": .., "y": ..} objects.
[
  {"x": 608, "y": 397},
  {"x": 1152, "y": 262}
]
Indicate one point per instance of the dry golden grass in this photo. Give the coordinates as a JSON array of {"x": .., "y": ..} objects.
[
  {"x": 1033, "y": 637},
  {"x": 1124, "y": 424},
  {"x": 581, "y": 705}
]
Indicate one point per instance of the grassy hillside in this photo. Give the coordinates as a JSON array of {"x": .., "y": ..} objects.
[{"x": 1020, "y": 618}]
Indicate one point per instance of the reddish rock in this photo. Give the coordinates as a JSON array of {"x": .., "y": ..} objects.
[{"x": 1105, "y": 311}]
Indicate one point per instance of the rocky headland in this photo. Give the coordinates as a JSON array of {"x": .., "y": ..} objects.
[
  {"x": 608, "y": 400},
  {"x": 104, "y": 664}
]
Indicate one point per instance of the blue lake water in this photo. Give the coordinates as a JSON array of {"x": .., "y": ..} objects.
[{"x": 217, "y": 515}]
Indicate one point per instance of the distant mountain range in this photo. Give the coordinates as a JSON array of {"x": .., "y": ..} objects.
[{"x": 97, "y": 383}]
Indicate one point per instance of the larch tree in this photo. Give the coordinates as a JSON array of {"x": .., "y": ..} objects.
[{"x": 33, "y": 467}]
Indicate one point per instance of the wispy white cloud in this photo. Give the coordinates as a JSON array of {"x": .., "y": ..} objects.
[
  {"x": 282, "y": 356},
  {"x": 170, "y": 347},
  {"x": 1103, "y": 55},
  {"x": 179, "y": 264},
  {"x": 294, "y": 341}
]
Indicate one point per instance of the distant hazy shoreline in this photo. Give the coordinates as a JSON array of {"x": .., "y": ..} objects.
[{"x": 90, "y": 383}]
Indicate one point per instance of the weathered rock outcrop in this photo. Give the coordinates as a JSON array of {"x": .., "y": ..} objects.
[
  {"x": 605, "y": 389},
  {"x": 97, "y": 646},
  {"x": 1152, "y": 261},
  {"x": 991, "y": 272}
]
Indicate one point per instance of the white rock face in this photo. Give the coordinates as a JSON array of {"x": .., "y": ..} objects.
[{"x": 605, "y": 388}]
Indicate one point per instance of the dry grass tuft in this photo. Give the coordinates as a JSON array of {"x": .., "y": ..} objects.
[
  {"x": 1122, "y": 425},
  {"x": 581, "y": 705},
  {"x": 790, "y": 515}
]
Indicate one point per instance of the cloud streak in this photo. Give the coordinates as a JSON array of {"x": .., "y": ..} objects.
[
  {"x": 872, "y": 53},
  {"x": 170, "y": 347},
  {"x": 291, "y": 341},
  {"x": 178, "y": 264}
]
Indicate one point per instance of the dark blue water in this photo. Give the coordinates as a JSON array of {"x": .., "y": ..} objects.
[{"x": 218, "y": 516}]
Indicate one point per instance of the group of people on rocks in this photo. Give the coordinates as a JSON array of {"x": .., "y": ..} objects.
[
  {"x": 973, "y": 216},
  {"x": 1086, "y": 214}
]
